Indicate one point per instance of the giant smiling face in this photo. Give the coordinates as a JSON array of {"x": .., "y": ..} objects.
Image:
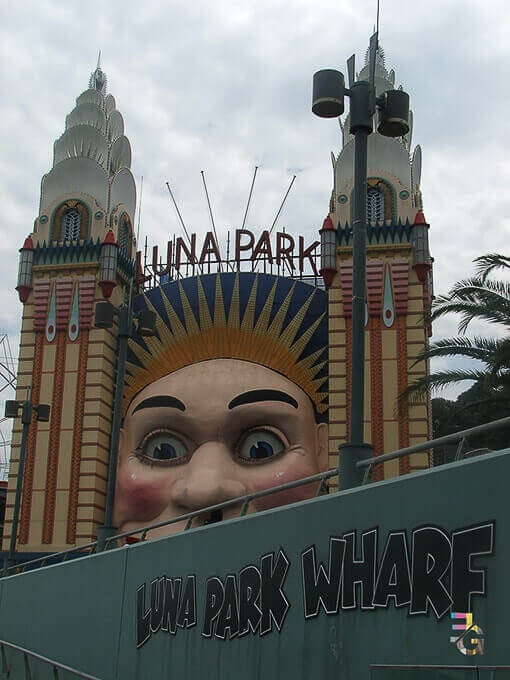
[{"x": 210, "y": 432}]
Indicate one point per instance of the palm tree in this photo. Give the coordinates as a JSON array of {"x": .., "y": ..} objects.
[{"x": 477, "y": 298}]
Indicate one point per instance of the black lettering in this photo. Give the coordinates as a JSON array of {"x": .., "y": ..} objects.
[
  {"x": 473, "y": 639},
  {"x": 359, "y": 571},
  {"x": 228, "y": 618},
  {"x": 466, "y": 582},
  {"x": 143, "y": 630},
  {"x": 320, "y": 588},
  {"x": 249, "y": 592},
  {"x": 215, "y": 594},
  {"x": 394, "y": 577},
  {"x": 431, "y": 557},
  {"x": 157, "y": 595},
  {"x": 273, "y": 603},
  {"x": 187, "y": 611},
  {"x": 171, "y": 604}
]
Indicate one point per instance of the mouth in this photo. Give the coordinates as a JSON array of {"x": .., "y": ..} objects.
[{"x": 213, "y": 517}]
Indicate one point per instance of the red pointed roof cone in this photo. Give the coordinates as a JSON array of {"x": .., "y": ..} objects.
[
  {"x": 327, "y": 225},
  {"x": 420, "y": 218},
  {"x": 110, "y": 238},
  {"x": 28, "y": 244}
]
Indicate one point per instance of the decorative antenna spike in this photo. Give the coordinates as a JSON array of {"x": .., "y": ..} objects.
[
  {"x": 99, "y": 60},
  {"x": 178, "y": 329},
  {"x": 249, "y": 313},
  {"x": 263, "y": 321},
  {"x": 219, "y": 305},
  {"x": 192, "y": 326},
  {"x": 203, "y": 309},
  {"x": 350, "y": 69}
]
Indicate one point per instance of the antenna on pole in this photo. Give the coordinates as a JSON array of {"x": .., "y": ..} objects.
[
  {"x": 210, "y": 212},
  {"x": 377, "y": 24},
  {"x": 249, "y": 197},
  {"x": 371, "y": 61},
  {"x": 284, "y": 199},
  {"x": 139, "y": 211},
  {"x": 182, "y": 221}
]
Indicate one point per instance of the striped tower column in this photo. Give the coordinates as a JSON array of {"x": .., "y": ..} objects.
[
  {"x": 63, "y": 293},
  {"x": 375, "y": 270}
]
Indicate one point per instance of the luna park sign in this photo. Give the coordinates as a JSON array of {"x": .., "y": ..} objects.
[
  {"x": 428, "y": 570},
  {"x": 284, "y": 250}
]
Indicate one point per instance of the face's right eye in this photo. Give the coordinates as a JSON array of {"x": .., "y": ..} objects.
[
  {"x": 259, "y": 445},
  {"x": 164, "y": 447}
]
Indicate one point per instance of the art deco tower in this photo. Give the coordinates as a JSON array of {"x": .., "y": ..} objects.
[
  {"x": 80, "y": 251},
  {"x": 399, "y": 290}
]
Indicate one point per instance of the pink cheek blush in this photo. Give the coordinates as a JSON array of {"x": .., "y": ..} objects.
[
  {"x": 140, "y": 498},
  {"x": 294, "y": 495}
]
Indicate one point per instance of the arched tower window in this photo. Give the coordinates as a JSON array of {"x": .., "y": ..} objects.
[
  {"x": 125, "y": 237},
  {"x": 70, "y": 227},
  {"x": 70, "y": 222},
  {"x": 375, "y": 204}
]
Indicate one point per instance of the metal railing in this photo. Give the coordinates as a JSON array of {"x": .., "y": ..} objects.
[
  {"x": 424, "y": 446},
  {"x": 244, "y": 501},
  {"x": 28, "y": 654},
  {"x": 433, "y": 667}
]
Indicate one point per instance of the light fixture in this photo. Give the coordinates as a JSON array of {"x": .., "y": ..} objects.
[
  {"x": 328, "y": 93},
  {"x": 146, "y": 322},
  {"x": 103, "y": 315},
  {"x": 393, "y": 113}
]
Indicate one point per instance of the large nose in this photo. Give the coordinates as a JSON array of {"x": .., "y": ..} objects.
[{"x": 209, "y": 478}]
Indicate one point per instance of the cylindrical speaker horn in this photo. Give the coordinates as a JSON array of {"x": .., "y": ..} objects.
[
  {"x": 146, "y": 322},
  {"x": 394, "y": 114},
  {"x": 328, "y": 93},
  {"x": 103, "y": 317}
]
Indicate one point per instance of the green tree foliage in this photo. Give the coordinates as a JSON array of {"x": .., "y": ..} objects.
[
  {"x": 471, "y": 408},
  {"x": 483, "y": 298},
  {"x": 478, "y": 298}
]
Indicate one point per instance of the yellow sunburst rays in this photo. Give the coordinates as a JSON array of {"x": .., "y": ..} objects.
[{"x": 256, "y": 339}]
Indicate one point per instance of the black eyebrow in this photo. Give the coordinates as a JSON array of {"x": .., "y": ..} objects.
[
  {"x": 161, "y": 400},
  {"x": 262, "y": 395}
]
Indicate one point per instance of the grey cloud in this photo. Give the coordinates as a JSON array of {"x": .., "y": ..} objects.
[{"x": 223, "y": 87}]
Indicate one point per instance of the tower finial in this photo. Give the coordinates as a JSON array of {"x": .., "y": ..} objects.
[{"x": 97, "y": 79}]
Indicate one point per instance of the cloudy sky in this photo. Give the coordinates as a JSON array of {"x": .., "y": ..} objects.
[{"x": 225, "y": 86}]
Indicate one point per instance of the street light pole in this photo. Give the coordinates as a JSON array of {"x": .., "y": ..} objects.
[
  {"x": 26, "y": 419},
  {"x": 104, "y": 315},
  {"x": 393, "y": 108},
  {"x": 356, "y": 449},
  {"x": 42, "y": 412},
  {"x": 361, "y": 128}
]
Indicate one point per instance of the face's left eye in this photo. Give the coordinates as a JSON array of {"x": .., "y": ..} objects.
[
  {"x": 260, "y": 445},
  {"x": 165, "y": 447}
]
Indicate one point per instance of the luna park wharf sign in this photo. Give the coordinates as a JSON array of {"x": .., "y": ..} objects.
[
  {"x": 283, "y": 250},
  {"x": 430, "y": 569}
]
